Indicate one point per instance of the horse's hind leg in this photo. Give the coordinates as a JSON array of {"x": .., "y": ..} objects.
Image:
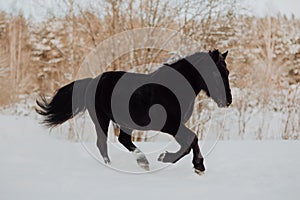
[
  {"x": 125, "y": 140},
  {"x": 101, "y": 122},
  {"x": 187, "y": 140}
]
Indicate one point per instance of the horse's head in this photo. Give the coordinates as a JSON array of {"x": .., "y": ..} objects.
[{"x": 219, "y": 60}]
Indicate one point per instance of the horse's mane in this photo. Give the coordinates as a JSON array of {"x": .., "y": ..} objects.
[
  {"x": 173, "y": 62},
  {"x": 182, "y": 59}
]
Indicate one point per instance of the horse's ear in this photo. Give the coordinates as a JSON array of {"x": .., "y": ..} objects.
[
  {"x": 225, "y": 54},
  {"x": 214, "y": 54}
]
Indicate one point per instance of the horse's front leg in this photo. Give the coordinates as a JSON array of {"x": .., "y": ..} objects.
[
  {"x": 198, "y": 160},
  {"x": 187, "y": 141}
]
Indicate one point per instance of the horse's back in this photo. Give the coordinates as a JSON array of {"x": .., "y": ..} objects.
[
  {"x": 119, "y": 93},
  {"x": 114, "y": 85}
]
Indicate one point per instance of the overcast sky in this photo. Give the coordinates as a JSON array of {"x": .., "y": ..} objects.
[
  {"x": 38, "y": 8},
  {"x": 263, "y": 7}
]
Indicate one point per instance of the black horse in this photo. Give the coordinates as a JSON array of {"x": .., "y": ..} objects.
[{"x": 161, "y": 101}]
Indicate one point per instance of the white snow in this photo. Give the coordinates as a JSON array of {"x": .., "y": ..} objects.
[{"x": 37, "y": 165}]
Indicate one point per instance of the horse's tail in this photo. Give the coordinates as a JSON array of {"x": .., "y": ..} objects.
[{"x": 65, "y": 104}]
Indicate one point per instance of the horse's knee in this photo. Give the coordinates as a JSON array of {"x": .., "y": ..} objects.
[{"x": 187, "y": 151}]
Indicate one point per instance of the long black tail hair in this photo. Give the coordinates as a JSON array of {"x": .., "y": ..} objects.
[{"x": 64, "y": 105}]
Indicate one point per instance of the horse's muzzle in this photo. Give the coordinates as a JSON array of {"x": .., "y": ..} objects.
[{"x": 222, "y": 104}]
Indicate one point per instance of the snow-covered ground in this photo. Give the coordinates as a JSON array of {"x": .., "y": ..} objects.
[{"x": 37, "y": 165}]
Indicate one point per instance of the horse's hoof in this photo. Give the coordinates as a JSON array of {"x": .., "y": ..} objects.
[
  {"x": 106, "y": 160},
  {"x": 143, "y": 162},
  {"x": 199, "y": 172},
  {"x": 199, "y": 166},
  {"x": 141, "y": 159},
  {"x": 162, "y": 156},
  {"x": 144, "y": 166}
]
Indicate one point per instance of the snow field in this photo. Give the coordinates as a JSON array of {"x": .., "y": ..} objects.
[{"x": 37, "y": 165}]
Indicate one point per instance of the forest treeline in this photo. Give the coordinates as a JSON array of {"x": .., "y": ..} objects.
[{"x": 38, "y": 57}]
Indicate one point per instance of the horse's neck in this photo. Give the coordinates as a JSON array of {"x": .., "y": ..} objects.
[{"x": 190, "y": 73}]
